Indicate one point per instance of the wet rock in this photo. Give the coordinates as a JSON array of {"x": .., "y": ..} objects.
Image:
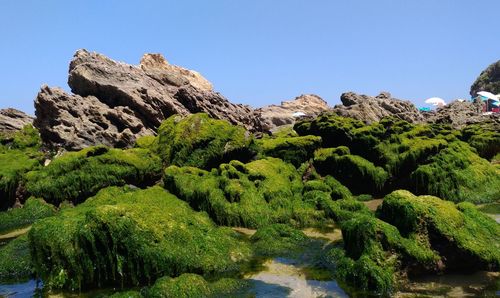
[
  {"x": 273, "y": 116},
  {"x": 12, "y": 120}
]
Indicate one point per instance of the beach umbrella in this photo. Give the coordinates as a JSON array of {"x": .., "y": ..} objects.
[
  {"x": 298, "y": 114},
  {"x": 488, "y": 95},
  {"x": 435, "y": 101},
  {"x": 496, "y": 103}
]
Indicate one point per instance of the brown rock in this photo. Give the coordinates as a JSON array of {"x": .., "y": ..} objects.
[
  {"x": 273, "y": 116},
  {"x": 12, "y": 120}
]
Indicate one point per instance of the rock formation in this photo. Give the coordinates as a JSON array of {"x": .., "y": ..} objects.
[
  {"x": 12, "y": 120},
  {"x": 488, "y": 80},
  {"x": 460, "y": 113},
  {"x": 273, "y": 116},
  {"x": 371, "y": 109},
  {"x": 114, "y": 103}
]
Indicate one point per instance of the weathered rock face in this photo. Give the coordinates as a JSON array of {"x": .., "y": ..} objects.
[
  {"x": 273, "y": 116},
  {"x": 12, "y": 120},
  {"x": 488, "y": 80},
  {"x": 114, "y": 103},
  {"x": 371, "y": 109},
  {"x": 458, "y": 114}
]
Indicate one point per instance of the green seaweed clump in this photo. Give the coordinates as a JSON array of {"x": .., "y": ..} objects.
[
  {"x": 355, "y": 172},
  {"x": 294, "y": 150},
  {"x": 193, "y": 286},
  {"x": 15, "y": 261},
  {"x": 464, "y": 237},
  {"x": 253, "y": 195},
  {"x": 19, "y": 153},
  {"x": 484, "y": 138},
  {"x": 458, "y": 174},
  {"x": 278, "y": 239},
  {"x": 31, "y": 211},
  {"x": 200, "y": 141},
  {"x": 130, "y": 237},
  {"x": 75, "y": 176}
]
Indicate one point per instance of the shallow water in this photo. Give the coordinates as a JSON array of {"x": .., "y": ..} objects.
[{"x": 21, "y": 290}]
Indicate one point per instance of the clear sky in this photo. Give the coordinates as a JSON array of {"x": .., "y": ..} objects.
[{"x": 261, "y": 51}]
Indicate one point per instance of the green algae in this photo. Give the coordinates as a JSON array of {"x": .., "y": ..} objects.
[
  {"x": 200, "y": 141},
  {"x": 130, "y": 237},
  {"x": 76, "y": 176},
  {"x": 251, "y": 195},
  {"x": 278, "y": 240},
  {"x": 15, "y": 261},
  {"x": 31, "y": 211},
  {"x": 295, "y": 150}
]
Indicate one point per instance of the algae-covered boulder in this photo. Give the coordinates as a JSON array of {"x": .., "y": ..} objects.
[
  {"x": 294, "y": 150},
  {"x": 355, "y": 172},
  {"x": 76, "y": 176},
  {"x": 200, "y": 141},
  {"x": 484, "y": 138},
  {"x": 464, "y": 237},
  {"x": 15, "y": 261},
  {"x": 31, "y": 211},
  {"x": 457, "y": 174},
  {"x": 130, "y": 237},
  {"x": 253, "y": 195},
  {"x": 193, "y": 286},
  {"x": 19, "y": 153}
]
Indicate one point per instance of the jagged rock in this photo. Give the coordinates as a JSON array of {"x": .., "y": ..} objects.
[
  {"x": 273, "y": 116},
  {"x": 461, "y": 113},
  {"x": 12, "y": 120},
  {"x": 114, "y": 102},
  {"x": 371, "y": 109},
  {"x": 75, "y": 122},
  {"x": 488, "y": 80}
]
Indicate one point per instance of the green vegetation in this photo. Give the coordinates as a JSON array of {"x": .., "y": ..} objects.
[
  {"x": 19, "y": 153},
  {"x": 461, "y": 234},
  {"x": 484, "y": 138},
  {"x": 200, "y": 141},
  {"x": 15, "y": 262},
  {"x": 194, "y": 286},
  {"x": 76, "y": 176},
  {"x": 130, "y": 237},
  {"x": 32, "y": 210},
  {"x": 294, "y": 150},
  {"x": 493, "y": 208},
  {"x": 252, "y": 195},
  {"x": 357, "y": 173},
  {"x": 278, "y": 240}
]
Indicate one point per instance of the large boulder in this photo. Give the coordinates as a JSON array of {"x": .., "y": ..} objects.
[
  {"x": 372, "y": 109},
  {"x": 458, "y": 114},
  {"x": 273, "y": 116},
  {"x": 116, "y": 102},
  {"x": 12, "y": 120},
  {"x": 488, "y": 80}
]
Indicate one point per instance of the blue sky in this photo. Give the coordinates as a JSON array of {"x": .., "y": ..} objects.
[{"x": 262, "y": 51}]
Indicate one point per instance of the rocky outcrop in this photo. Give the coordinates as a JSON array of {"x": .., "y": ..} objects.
[
  {"x": 371, "y": 109},
  {"x": 488, "y": 80},
  {"x": 287, "y": 112},
  {"x": 114, "y": 103},
  {"x": 12, "y": 120},
  {"x": 461, "y": 113}
]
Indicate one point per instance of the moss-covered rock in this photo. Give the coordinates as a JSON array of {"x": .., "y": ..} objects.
[
  {"x": 484, "y": 138},
  {"x": 294, "y": 150},
  {"x": 465, "y": 238},
  {"x": 200, "y": 141},
  {"x": 32, "y": 210},
  {"x": 15, "y": 261},
  {"x": 19, "y": 153},
  {"x": 457, "y": 174},
  {"x": 278, "y": 239},
  {"x": 76, "y": 176},
  {"x": 357, "y": 173},
  {"x": 194, "y": 286},
  {"x": 130, "y": 237},
  {"x": 252, "y": 195}
]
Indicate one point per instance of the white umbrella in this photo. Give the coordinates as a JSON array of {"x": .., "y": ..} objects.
[
  {"x": 488, "y": 95},
  {"x": 298, "y": 114},
  {"x": 435, "y": 101}
]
